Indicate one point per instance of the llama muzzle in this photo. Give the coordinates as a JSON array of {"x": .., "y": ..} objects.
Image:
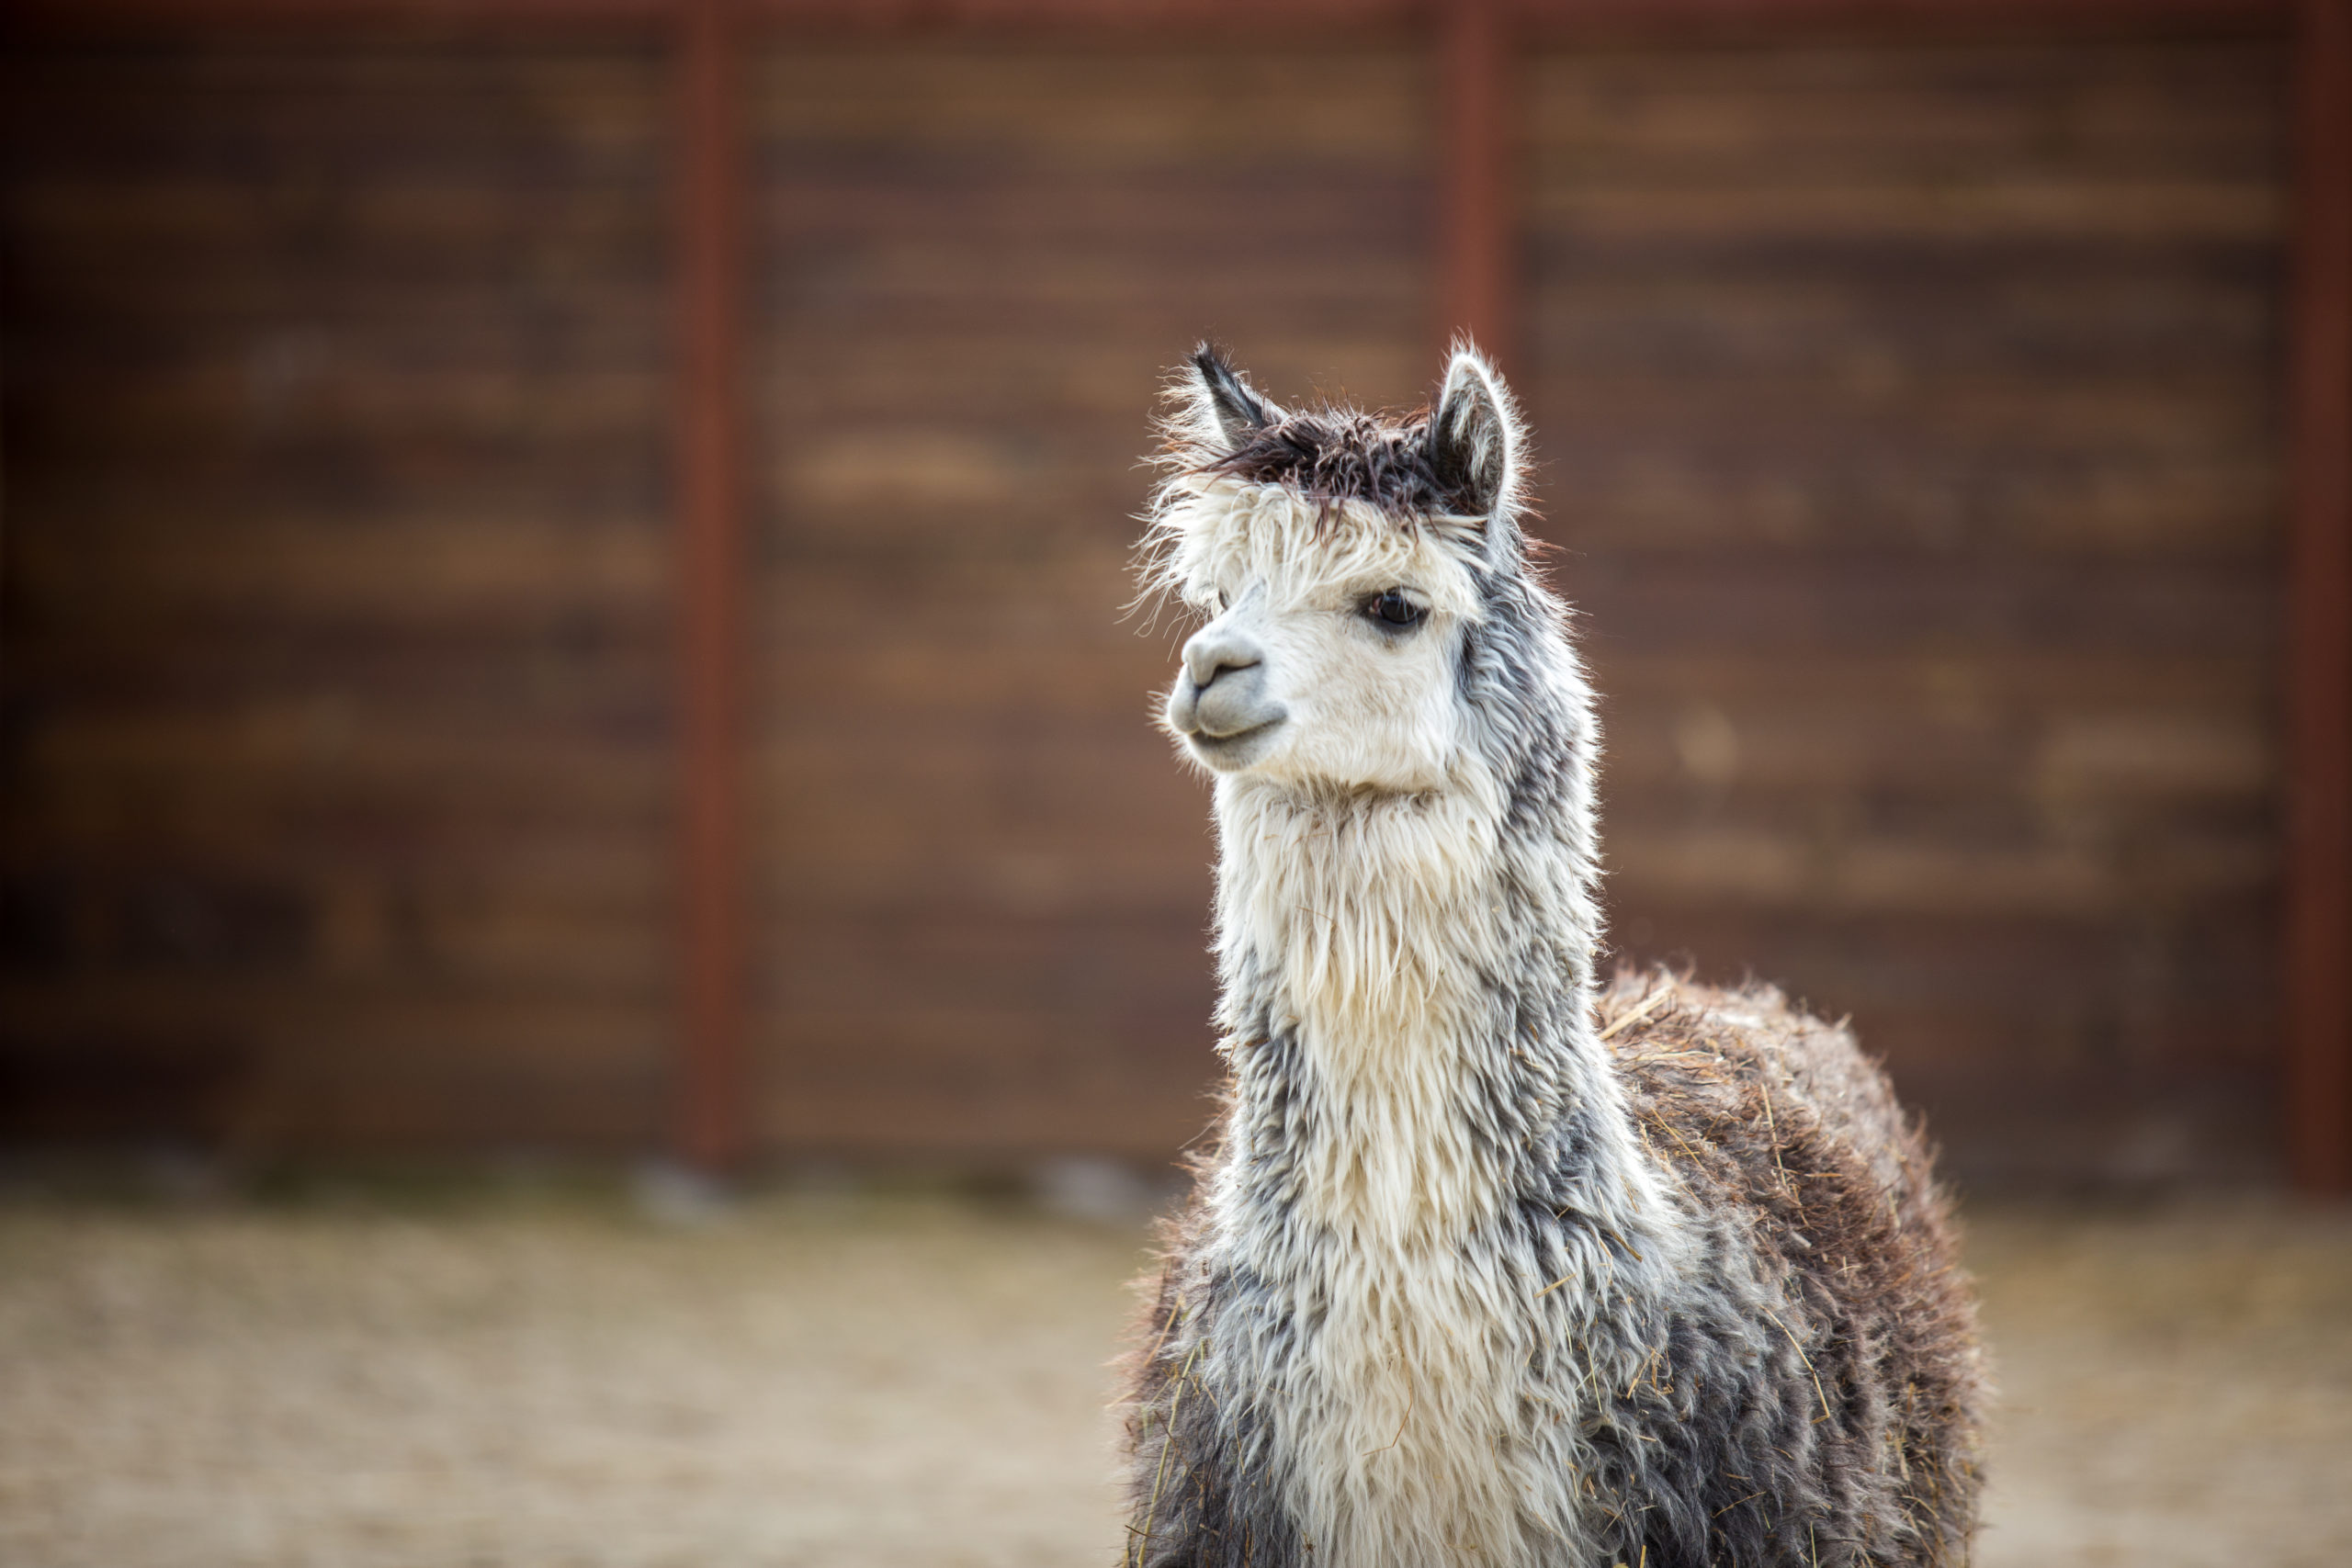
[{"x": 1220, "y": 696}]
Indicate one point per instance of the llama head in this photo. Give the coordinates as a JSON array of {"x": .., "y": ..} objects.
[{"x": 1343, "y": 563}]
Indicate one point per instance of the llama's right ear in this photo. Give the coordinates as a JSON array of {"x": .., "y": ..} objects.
[{"x": 1225, "y": 403}]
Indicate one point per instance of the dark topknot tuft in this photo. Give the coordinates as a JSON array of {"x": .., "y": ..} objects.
[{"x": 1331, "y": 456}]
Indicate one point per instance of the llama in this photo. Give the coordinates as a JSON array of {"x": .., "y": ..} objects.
[{"x": 1487, "y": 1265}]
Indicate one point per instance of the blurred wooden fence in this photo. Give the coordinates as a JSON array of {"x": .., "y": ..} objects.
[{"x": 1914, "y": 406}]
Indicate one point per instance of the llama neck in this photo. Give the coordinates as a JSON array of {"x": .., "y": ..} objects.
[{"x": 1407, "y": 986}]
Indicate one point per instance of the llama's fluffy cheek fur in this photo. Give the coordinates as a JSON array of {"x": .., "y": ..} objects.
[{"x": 1386, "y": 722}]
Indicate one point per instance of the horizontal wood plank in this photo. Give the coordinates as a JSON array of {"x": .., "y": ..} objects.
[
  {"x": 336, "y": 595},
  {"x": 1911, "y": 443}
]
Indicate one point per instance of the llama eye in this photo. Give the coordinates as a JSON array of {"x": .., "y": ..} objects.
[{"x": 1394, "y": 609}]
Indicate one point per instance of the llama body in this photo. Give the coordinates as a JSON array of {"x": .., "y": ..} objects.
[{"x": 1464, "y": 1281}]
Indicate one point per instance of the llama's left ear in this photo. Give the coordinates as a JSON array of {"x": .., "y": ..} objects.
[{"x": 1472, "y": 437}]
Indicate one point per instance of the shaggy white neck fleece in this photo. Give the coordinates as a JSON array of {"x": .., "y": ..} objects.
[
  {"x": 1374, "y": 930},
  {"x": 1367, "y": 916}
]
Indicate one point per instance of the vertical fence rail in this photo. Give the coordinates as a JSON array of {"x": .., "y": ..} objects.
[
  {"x": 712, "y": 1126},
  {"x": 1477, "y": 275},
  {"x": 2319, "y": 612}
]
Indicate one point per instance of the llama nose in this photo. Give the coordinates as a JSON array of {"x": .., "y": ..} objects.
[{"x": 1216, "y": 649}]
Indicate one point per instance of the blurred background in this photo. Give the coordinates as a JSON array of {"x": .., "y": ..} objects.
[{"x": 563, "y": 597}]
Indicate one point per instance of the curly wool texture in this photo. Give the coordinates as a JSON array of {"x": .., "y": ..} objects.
[{"x": 1786, "y": 1142}]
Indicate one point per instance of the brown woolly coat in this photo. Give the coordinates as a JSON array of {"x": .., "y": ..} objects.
[{"x": 1756, "y": 1108}]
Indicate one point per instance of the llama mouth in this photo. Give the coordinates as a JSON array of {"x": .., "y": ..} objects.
[{"x": 1238, "y": 749}]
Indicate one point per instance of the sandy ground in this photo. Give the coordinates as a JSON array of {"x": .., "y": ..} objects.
[{"x": 876, "y": 1381}]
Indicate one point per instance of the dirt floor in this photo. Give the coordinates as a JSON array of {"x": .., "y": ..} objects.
[{"x": 875, "y": 1381}]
